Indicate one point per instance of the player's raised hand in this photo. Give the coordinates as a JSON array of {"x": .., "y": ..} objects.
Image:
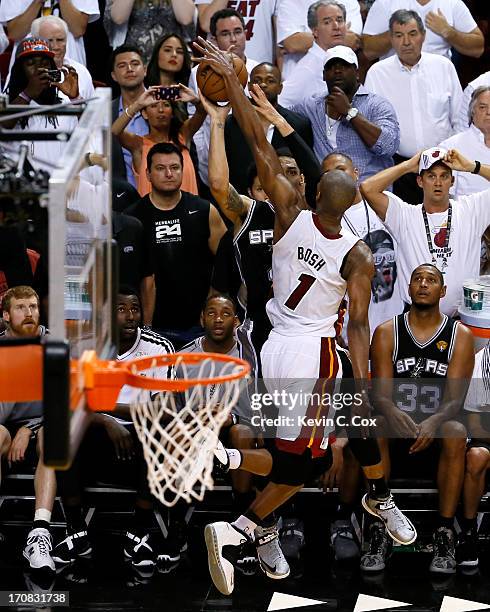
[
  {"x": 456, "y": 161},
  {"x": 216, "y": 112},
  {"x": 263, "y": 106},
  {"x": 220, "y": 61}
]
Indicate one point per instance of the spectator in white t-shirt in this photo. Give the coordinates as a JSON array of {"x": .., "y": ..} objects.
[
  {"x": 474, "y": 142},
  {"x": 295, "y": 37},
  {"x": 463, "y": 118},
  {"x": 362, "y": 221},
  {"x": 259, "y": 23},
  {"x": 18, "y": 16},
  {"x": 227, "y": 28},
  {"x": 449, "y": 25},
  {"x": 424, "y": 90},
  {"x": 55, "y": 31},
  {"x": 442, "y": 231},
  {"x": 327, "y": 21}
]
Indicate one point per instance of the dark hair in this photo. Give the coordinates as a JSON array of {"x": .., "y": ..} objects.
[
  {"x": 223, "y": 296},
  {"x": 284, "y": 152},
  {"x": 165, "y": 148},
  {"x": 338, "y": 154},
  {"x": 124, "y": 49},
  {"x": 429, "y": 265},
  {"x": 129, "y": 290},
  {"x": 264, "y": 65},
  {"x": 224, "y": 14},
  {"x": 403, "y": 16},
  {"x": 153, "y": 71},
  {"x": 18, "y": 82},
  {"x": 176, "y": 122}
]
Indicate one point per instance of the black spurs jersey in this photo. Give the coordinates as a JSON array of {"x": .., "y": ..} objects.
[
  {"x": 420, "y": 370},
  {"x": 253, "y": 251}
]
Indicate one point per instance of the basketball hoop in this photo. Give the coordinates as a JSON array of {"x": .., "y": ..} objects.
[{"x": 177, "y": 419}]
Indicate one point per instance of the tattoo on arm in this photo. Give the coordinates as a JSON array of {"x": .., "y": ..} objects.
[{"x": 235, "y": 202}]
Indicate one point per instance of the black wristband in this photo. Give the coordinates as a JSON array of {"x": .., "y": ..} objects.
[{"x": 477, "y": 168}]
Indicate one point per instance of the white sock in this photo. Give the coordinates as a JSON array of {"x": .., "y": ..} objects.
[
  {"x": 246, "y": 525},
  {"x": 235, "y": 457},
  {"x": 42, "y": 514}
]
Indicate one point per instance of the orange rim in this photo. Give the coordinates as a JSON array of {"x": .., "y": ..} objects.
[{"x": 102, "y": 380}]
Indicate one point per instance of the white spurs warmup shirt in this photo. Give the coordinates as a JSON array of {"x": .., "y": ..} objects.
[{"x": 308, "y": 287}]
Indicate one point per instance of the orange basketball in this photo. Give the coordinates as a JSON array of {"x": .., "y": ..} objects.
[{"x": 212, "y": 84}]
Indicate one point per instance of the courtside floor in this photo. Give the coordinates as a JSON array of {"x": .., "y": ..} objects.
[{"x": 107, "y": 583}]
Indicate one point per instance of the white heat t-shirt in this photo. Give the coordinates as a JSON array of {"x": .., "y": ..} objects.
[
  {"x": 258, "y": 22},
  {"x": 470, "y": 218},
  {"x": 9, "y": 9},
  {"x": 308, "y": 288},
  {"x": 385, "y": 298},
  {"x": 456, "y": 13}
]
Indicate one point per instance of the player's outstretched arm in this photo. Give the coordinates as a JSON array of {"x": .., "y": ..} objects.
[
  {"x": 373, "y": 188},
  {"x": 283, "y": 195},
  {"x": 233, "y": 205},
  {"x": 399, "y": 422}
]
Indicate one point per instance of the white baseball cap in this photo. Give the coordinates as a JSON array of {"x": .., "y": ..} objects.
[
  {"x": 341, "y": 52},
  {"x": 430, "y": 156}
]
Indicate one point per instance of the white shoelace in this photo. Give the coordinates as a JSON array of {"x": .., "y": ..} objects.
[{"x": 44, "y": 543}]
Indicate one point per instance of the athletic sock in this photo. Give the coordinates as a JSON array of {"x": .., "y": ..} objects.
[
  {"x": 235, "y": 457},
  {"x": 40, "y": 525},
  {"x": 443, "y": 521},
  {"x": 344, "y": 511},
  {"x": 469, "y": 525},
  {"x": 378, "y": 489},
  {"x": 245, "y": 524},
  {"x": 74, "y": 519}
]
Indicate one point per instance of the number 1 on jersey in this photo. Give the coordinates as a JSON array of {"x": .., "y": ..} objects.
[{"x": 305, "y": 283}]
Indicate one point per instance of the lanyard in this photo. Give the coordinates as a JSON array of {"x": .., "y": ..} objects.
[{"x": 430, "y": 244}]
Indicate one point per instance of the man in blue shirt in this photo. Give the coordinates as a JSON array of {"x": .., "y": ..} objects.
[
  {"x": 350, "y": 119},
  {"x": 128, "y": 71}
]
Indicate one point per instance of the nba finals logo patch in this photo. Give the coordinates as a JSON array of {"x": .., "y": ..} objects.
[{"x": 441, "y": 346}]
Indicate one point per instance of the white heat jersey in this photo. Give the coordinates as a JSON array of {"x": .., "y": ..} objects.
[{"x": 308, "y": 288}]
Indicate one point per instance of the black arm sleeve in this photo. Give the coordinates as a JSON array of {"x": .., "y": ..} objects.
[{"x": 308, "y": 163}]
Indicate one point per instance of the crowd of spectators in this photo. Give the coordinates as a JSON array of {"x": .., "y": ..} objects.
[{"x": 364, "y": 85}]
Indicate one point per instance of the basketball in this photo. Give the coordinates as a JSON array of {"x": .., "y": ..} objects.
[{"x": 212, "y": 84}]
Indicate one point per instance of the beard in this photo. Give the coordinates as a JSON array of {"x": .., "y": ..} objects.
[{"x": 28, "y": 328}]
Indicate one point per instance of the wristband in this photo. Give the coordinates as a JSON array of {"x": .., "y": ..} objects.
[
  {"x": 126, "y": 111},
  {"x": 24, "y": 96},
  {"x": 477, "y": 168},
  {"x": 88, "y": 160}
]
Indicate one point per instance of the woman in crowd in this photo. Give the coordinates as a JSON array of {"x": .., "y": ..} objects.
[
  {"x": 166, "y": 123},
  {"x": 143, "y": 22},
  {"x": 170, "y": 62}
]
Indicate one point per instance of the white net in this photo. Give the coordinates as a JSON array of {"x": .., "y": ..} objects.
[{"x": 179, "y": 430}]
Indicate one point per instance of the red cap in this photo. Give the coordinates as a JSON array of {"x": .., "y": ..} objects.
[{"x": 33, "y": 46}]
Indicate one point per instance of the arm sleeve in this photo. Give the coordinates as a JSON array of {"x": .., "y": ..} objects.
[
  {"x": 456, "y": 96},
  {"x": 384, "y": 116},
  {"x": 308, "y": 163},
  {"x": 462, "y": 18},
  {"x": 395, "y": 216},
  {"x": 377, "y": 19},
  {"x": 478, "y": 210},
  {"x": 353, "y": 16},
  {"x": 291, "y": 18},
  {"x": 89, "y": 7}
]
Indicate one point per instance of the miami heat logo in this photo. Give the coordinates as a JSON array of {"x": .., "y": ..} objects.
[
  {"x": 441, "y": 346},
  {"x": 440, "y": 237}
]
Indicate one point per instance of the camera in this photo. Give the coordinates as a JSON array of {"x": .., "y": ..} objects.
[
  {"x": 55, "y": 76},
  {"x": 167, "y": 93}
]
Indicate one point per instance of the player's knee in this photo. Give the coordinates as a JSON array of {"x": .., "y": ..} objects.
[
  {"x": 477, "y": 460},
  {"x": 241, "y": 436},
  {"x": 453, "y": 436}
]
